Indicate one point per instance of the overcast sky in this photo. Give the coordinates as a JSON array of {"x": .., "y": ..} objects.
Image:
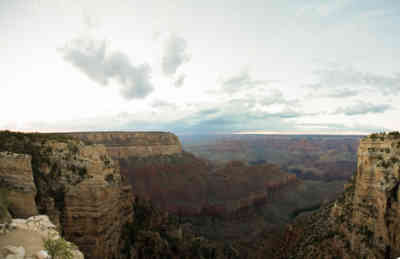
[{"x": 200, "y": 66}]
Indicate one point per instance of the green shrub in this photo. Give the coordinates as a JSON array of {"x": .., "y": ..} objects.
[
  {"x": 374, "y": 136},
  {"x": 394, "y": 134},
  {"x": 394, "y": 159},
  {"x": 58, "y": 248}
]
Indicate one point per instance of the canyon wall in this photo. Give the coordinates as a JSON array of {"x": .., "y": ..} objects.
[
  {"x": 122, "y": 145},
  {"x": 364, "y": 221},
  {"x": 311, "y": 157},
  {"x": 78, "y": 186},
  {"x": 376, "y": 209},
  {"x": 16, "y": 178},
  {"x": 158, "y": 170}
]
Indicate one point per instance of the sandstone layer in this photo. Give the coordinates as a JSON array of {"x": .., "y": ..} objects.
[
  {"x": 158, "y": 170},
  {"x": 122, "y": 145},
  {"x": 364, "y": 221},
  {"x": 78, "y": 186},
  {"x": 16, "y": 179},
  {"x": 315, "y": 157}
]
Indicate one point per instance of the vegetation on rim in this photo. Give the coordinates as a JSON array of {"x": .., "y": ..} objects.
[{"x": 58, "y": 248}]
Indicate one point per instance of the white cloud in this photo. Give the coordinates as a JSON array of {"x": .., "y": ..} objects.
[
  {"x": 175, "y": 54},
  {"x": 93, "y": 59}
]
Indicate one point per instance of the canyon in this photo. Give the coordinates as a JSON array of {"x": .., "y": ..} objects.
[
  {"x": 174, "y": 180},
  {"x": 230, "y": 200},
  {"x": 363, "y": 221},
  {"x": 310, "y": 157},
  {"x": 119, "y": 194},
  {"x": 78, "y": 186}
]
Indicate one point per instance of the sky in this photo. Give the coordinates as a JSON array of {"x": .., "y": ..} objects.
[{"x": 209, "y": 66}]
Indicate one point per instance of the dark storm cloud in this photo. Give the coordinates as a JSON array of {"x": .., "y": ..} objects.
[
  {"x": 232, "y": 116},
  {"x": 242, "y": 81},
  {"x": 232, "y": 122},
  {"x": 180, "y": 81},
  {"x": 357, "y": 81},
  {"x": 175, "y": 54},
  {"x": 363, "y": 108},
  {"x": 92, "y": 59}
]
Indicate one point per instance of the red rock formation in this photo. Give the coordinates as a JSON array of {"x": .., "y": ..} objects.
[
  {"x": 176, "y": 181},
  {"x": 309, "y": 157}
]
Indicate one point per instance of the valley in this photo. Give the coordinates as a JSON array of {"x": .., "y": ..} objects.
[
  {"x": 233, "y": 197},
  {"x": 227, "y": 198}
]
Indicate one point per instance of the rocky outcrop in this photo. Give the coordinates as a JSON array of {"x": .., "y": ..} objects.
[
  {"x": 376, "y": 209},
  {"x": 364, "y": 221},
  {"x": 16, "y": 179},
  {"x": 78, "y": 186},
  {"x": 23, "y": 238},
  {"x": 122, "y": 145}
]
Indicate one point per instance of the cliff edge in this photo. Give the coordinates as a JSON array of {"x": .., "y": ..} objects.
[
  {"x": 122, "y": 145},
  {"x": 364, "y": 221},
  {"x": 77, "y": 185}
]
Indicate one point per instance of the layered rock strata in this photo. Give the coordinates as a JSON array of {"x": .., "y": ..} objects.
[
  {"x": 23, "y": 238},
  {"x": 16, "y": 179},
  {"x": 364, "y": 221},
  {"x": 122, "y": 145},
  {"x": 178, "y": 182},
  {"x": 78, "y": 186}
]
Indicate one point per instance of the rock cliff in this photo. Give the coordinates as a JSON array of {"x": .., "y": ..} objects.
[
  {"x": 78, "y": 186},
  {"x": 174, "y": 180},
  {"x": 16, "y": 178},
  {"x": 364, "y": 221},
  {"x": 122, "y": 145},
  {"x": 23, "y": 238}
]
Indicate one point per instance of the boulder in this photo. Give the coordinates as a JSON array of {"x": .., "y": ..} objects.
[{"x": 12, "y": 252}]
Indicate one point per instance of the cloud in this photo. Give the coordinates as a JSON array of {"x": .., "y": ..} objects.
[
  {"x": 180, "y": 81},
  {"x": 356, "y": 128},
  {"x": 223, "y": 122},
  {"x": 341, "y": 93},
  {"x": 350, "y": 79},
  {"x": 334, "y": 93},
  {"x": 93, "y": 59},
  {"x": 242, "y": 81},
  {"x": 163, "y": 105},
  {"x": 363, "y": 108},
  {"x": 175, "y": 54},
  {"x": 235, "y": 115},
  {"x": 274, "y": 97}
]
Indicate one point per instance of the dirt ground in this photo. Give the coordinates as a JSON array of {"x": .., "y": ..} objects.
[{"x": 31, "y": 241}]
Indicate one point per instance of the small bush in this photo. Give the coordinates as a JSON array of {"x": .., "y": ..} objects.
[
  {"x": 394, "y": 134},
  {"x": 58, "y": 248},
  {"x": 374, "y": 136},
  {"x": 394, "y": 159}
]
